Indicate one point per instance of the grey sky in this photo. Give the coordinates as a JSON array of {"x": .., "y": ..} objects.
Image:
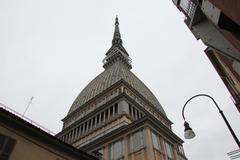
[{"x": 51, "y": 49}]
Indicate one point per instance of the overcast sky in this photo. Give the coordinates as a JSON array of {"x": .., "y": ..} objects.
[{"x": 51, "y": 49}]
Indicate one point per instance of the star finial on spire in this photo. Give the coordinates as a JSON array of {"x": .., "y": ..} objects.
[
  {"x": 116, "y": 20},
  {"x": 116, "y": 36}
]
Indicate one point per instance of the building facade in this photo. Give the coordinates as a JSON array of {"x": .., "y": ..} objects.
[
  {"x": 21, "y": 140},
  {"x": 116, "y": 117},
  {"x": 217, "y": 24}
]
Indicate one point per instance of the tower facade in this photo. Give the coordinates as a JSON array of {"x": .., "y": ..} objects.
[{"x": 116, "y": 117}]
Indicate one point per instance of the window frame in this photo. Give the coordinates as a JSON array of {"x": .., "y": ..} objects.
[
  {"x": 159, "y": 143},
  {"x": 134, "y": 148},
  {"x": 169, "y": 153},
  {"x": 112, "y": 153}
]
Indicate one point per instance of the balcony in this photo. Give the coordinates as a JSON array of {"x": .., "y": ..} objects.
[
  {"x": 205, "y": 21},
  {"x": 192, "y": 11}
]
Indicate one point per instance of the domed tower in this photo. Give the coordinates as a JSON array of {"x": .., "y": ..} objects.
[{"x": 117, "y": 117}]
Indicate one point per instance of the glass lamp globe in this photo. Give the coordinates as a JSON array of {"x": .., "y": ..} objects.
[{"x": 188, "y": 132}]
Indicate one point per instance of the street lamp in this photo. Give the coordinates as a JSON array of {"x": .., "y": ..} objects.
[{"x": 188, "y": 132}]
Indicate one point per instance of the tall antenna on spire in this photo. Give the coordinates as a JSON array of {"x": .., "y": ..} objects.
[{"x": 30, "y": 101}]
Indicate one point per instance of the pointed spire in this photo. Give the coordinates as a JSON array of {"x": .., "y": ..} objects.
[
  {"x": 117, "y": 52},
  {"x": 116, "y": 36}
]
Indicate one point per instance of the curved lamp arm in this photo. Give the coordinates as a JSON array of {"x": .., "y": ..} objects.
[
  {"x": 199, "y": 95},
  {"x": 188, "y": 129}
]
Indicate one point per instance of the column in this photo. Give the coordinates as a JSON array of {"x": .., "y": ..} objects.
[
  {"x": 106, "y": 152},
  {"x": 66, "y": 138},
  {"x": 164, "y": 149},
  {"x": 123, "y": 107},
  {"x": 175, "y": 154},
  {"x": 149, "y": 144},
  {"x": 90, "y": 124},
  {"x": 72, "y": 137},
  {"x": 79, "y": 131},
  {"x": 75, "y": 133},
  {"x": 104, "y": 116},
  {"x": 125, "y": 148},
  {"x": 86, "y": 126}
]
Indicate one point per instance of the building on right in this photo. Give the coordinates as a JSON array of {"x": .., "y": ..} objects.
[{"x": 217, "y": 24}]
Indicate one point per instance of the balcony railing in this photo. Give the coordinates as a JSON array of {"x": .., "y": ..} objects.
[{"x": 188, "y": 7}]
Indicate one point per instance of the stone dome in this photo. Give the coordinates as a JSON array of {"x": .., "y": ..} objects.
[
  {"x": 118, "y": 71},
  {"x": 117, "y": 66}
]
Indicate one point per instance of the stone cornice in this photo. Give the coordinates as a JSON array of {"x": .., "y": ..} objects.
[
  {"x": 119, "y": 89},
  {"x": 145, "y": 121},
  {"x": 93, "y": 100}
]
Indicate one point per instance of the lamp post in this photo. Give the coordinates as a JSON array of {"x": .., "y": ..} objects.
[{"x": 188, "y": 132}]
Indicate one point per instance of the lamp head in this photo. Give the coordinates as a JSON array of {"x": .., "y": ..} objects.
[{"x": 188, "y": 132}]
